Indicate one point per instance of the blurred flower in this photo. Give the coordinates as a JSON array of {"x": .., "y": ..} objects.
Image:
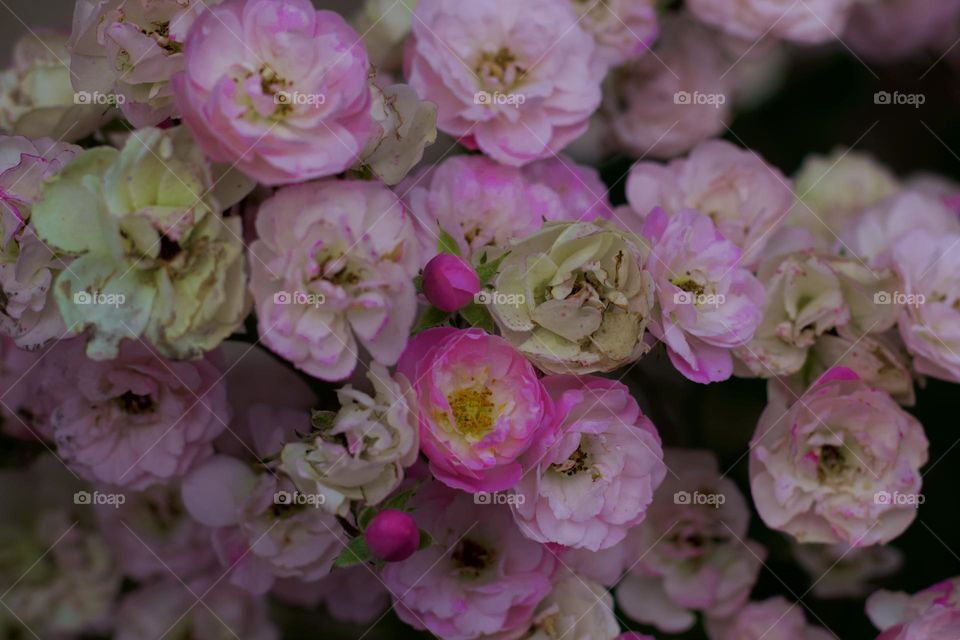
[
  {"x": 37, "y": 98},
  {"x": 360, "y": 452},
  {"x": 808, "y": 22},
  {"x": 839, "y": 571},
  {"x": 127, "y": 50},
  {"x": 24, "y": 404},
  {"x": 772, "y": 619},
  {"x": 138, "y": 420},
  {"x": 745, "y": 197},
  {"x": 480, "y": 406},
  {"x": 692, "y": 552},
  {"x": 155, "y": 258},
  {"x": 517, "y": 80},
  {"x": 384, "y": 26},
  {"x": 334, "y": 265},
  {"x": 449, "y": 282},
  {"x": 931, "y": 613},
  {"x": 890, "y": 30},
  {"x": 27, "y": 266},
  {"x": 840, "y": 465},
  {"x": 707, "y": 303},
  {"x": 665, "y": 104},
  {"x": 575, "y": 297},
  {"x": 594, "y": 477},
  {"x": 353, "y": 594},
  {"x": 277, "y": 87},
  {"x": 482, "y": 577},
  {"x": 263, "y": 528},
  {"x": 622, "y": 29}
]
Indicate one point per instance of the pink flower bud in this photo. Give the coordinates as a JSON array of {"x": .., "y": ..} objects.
[
  {"x": 449, "y": 282},
  {"x": 392, "y": 535}
]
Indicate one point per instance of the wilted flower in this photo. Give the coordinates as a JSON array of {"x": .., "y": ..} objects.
[
  {"x": 36, "y": 95},
  {"x": 360, "y": 452},
  {"x": 154, "y": 257},
  {"x": 481, "y": 577},
  {"x": 691, "y": 553},
  {"x": 137, "y": 420},
  {"x": 480, "y": 406},
  {"x": 808, "y": 22},
  {"x": 127, "y": 51},
  {"x": 576, "y": 609},
  {"x": 517, "y": 80},
  {"x": 280, "y": 88},
  {"x": 931, "y": 613},
  {"x": 744, "y": 196},
  {"x": 622, "y": 29},
  {"x": 665, "y": 104},
  {"x": 929, "y": 322},
  {"x": 839, "y": 571},
  {"x": 840, "y": 465},
  {"x": 772, "y": 619},
  {"x": 707, "y": 303},
  {"x": 404, "y": 126},
  {"x": 575, "y": 297},
  {"x": 27, "y": 266},
  {"x": 593, "y": 477},
  {"x": 263, "y": 528},
  {"x": 334, "y": 266}
]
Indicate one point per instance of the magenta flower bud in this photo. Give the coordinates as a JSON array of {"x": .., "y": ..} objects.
[
  {"x": 449, "y": 282},
  {"x": 392, "y": 535}
]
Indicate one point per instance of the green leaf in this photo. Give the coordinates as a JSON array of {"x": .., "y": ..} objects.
[
  {"x": 432, "y": 317},
  {"x": 365, "y": 517},
  {"x": 487, "y": 270},
  {"x": 355, "y": 553},
  {"x": 398, "y": 501},
  {"x": 447, "y": 244},
  {"x": 478, "y": 316},
  {"x": 425, "y": 540}
]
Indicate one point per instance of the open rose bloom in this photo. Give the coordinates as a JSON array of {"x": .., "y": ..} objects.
[{"x": 478, "y": 319}]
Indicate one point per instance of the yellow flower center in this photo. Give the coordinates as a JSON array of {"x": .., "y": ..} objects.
[{"x": 472, "y": 411}]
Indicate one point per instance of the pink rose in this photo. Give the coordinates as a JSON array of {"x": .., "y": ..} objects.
[
  {"x": 707, "y": 303},
  {"x": 839, "y": 465},
  {"x": 691, "y": 553},
  {"x": 482, "y": 577},
  {"x": 622, "y": 29},
  {"x": 353, "y": 594},
  {"x": 481, "y": 406},
  {"x": 931, "y": 613},
  {"x": 807, "y": 22},
  {"x": 519, "y": 80},
  {"x": 593, "y": 478},
  {"x": 744, "y": 196},
  {"x": 891, "y": 30},
  {"x": 579, "y": 187},
  {"x": 277, "y": 87},
  {"x": 138, "y": 420},
  {"x": 772, "y": 619},
  {"x": 334, "y": 266}
]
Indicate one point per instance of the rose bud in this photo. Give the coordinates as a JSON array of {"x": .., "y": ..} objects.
[
  {"x": 449, "y": 282},
  {"x": 392, "y": 535}
]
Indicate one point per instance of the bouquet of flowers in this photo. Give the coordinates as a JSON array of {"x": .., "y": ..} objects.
[{"x": 325, "y": 315}]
